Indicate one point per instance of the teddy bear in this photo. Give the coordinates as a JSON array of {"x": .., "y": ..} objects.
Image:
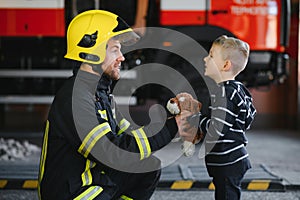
[{"x": 185, "y": 101}]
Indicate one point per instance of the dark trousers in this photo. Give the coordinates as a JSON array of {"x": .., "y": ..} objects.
[
  {"x": 116, "y": 184},
  {"x": 227, "y": 188},
  {"x": 227, "y": 179},
  {"x": 138, "y": 186}
]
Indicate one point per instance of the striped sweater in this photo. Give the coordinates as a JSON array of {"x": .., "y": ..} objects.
[{"x": 232, "y": 113}]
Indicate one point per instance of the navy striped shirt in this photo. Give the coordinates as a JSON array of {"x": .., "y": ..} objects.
[{"x": 232, "y": 113}]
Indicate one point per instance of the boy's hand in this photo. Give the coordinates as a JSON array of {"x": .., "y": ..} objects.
[
  {"x": 186, "y": 131},
  {"x": 189, "y": 133}
]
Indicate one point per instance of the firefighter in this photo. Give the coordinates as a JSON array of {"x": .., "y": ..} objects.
[{"x": 88, "y": 155}]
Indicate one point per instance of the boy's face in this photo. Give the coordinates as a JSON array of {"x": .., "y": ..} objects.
[
  {"x": 214, "y": 63},
  {"x": 112, "y": 62}
]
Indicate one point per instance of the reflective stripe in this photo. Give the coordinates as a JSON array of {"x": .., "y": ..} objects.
[
  {"x": 124, "y": 124},
  {"x": 43, "y": 157},
  {"x": 125, "y": 197},
  {"x": 86, "y": 176},
  {"x": 103, "y": 114},
  {"x": 90, "y": 193},
  {"x": 143, "y": 143},
  {"x": 91, "y": 139}
]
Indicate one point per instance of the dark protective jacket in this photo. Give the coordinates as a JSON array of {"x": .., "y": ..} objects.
[{"x": 83, "y": 151}]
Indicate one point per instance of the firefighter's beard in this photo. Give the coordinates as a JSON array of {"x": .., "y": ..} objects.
[
  {"x": 115, "y": 74},
  {"x": 112, "y": 71}
]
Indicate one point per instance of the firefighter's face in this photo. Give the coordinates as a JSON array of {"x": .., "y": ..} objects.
[
  {"x": 214, "y": 63},
  {"x": 112, "y": 62}
]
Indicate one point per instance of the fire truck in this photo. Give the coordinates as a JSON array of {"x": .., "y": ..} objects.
[
  {"x": 264, "y": 24},
  {"x": 32, "y": 41}
]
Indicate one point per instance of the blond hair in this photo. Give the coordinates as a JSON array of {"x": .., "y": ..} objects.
[{"x": 235, "y": 50}]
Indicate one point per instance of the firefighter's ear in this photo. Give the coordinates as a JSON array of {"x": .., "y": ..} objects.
[{"x": 227, "y": 65}]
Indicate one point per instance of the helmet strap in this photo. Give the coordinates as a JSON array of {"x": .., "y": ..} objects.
[{"x": 97, "y": 68}]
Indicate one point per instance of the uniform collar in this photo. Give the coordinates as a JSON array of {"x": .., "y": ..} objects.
[{"x": 104, "y": 83}]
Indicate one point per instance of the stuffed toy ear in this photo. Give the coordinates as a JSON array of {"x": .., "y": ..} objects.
[
  {"x": 196, "y": 106},
  {"x": 183, "y": 101},
  {"x": 173, "y": 106}
]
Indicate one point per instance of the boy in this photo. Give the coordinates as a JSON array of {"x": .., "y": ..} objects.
[{"x": 232, "y": 113}]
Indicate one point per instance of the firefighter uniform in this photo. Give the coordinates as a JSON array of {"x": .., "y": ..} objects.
[
  {"x": 77, "y": 165},
  {"x": 88, "y": 151}
]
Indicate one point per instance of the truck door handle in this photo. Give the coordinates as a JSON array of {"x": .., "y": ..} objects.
[{"x": 215, "y": 12}]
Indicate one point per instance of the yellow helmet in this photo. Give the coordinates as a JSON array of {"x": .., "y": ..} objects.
[{"x": 89, "y": 32}]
